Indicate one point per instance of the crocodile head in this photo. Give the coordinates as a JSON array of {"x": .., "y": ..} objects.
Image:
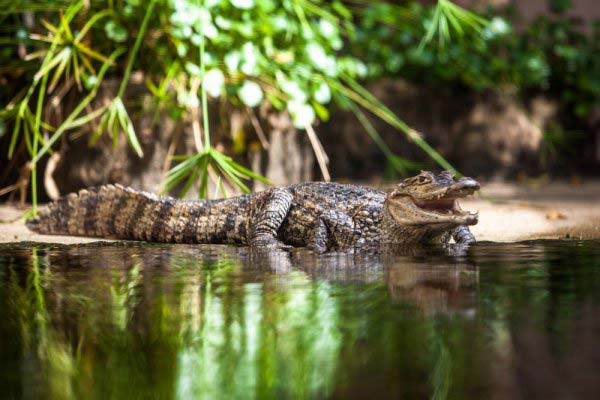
[{"x": 432, "y": 200}]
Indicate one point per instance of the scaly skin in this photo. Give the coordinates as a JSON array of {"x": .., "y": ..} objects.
[{"x": 321, "y": 216}]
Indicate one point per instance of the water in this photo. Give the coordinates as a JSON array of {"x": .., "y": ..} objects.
[{"x": 131, "y": 321}]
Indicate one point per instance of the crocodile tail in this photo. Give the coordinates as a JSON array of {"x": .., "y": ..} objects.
[{"x": 114, "y": 211}]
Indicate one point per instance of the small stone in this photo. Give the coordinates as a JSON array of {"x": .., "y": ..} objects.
[{"x": 554, "y": 215}]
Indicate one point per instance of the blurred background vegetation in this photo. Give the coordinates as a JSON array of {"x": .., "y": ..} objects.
[{"x": 174, "y": 94}]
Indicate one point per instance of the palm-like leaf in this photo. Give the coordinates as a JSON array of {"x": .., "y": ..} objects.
[
  {"x": 71, "y": 52},
  {"x": 201, "y": 165},
  {"x": 448, "y": 15}
]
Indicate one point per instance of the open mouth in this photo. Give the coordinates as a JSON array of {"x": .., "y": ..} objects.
[
  {"x": 441, "y": 206},
  {"x": 447, "y": 203}
]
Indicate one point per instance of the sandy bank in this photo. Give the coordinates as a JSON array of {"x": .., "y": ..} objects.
[{"x": 508, "y": 212}]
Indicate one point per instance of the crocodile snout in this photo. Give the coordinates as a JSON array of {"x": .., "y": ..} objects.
[{"x": 466, "y": 185}]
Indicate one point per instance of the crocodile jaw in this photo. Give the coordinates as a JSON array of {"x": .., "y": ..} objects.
[{"x": 442, "y": 209}]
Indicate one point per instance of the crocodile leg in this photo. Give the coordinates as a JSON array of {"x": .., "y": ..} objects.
[
  {"x": 333, "y": 229},
  {"x": 462, "y": 234},
  {"x": 271, "y": 211}
]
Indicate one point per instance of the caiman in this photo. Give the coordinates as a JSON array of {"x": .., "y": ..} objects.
[{"x": 322, "y": 216}]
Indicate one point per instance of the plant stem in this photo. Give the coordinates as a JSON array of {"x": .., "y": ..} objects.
[
  {"x": 136, "y": 46},
  {"x": 319, "y": 152},
  {"x": 203, "y": 93},
  {"x": 361, "y": 96},
  {"x": 362, "y": 118},
  {"x": 36, "y": 136}
]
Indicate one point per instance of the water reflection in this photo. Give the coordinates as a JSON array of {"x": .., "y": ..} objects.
[{"x": 135, "y": 321}]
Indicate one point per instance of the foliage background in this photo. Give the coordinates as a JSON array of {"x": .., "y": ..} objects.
[{"x": 306, "y": 58}]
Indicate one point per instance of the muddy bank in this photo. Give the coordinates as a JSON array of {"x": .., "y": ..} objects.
[{"x": 508, "y": 212}]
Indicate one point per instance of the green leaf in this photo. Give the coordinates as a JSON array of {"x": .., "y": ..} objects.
[
  {"x": 90, "y": 22},
  {"x": 189, "y": 182},
  {"x": 177, "y": 174},
  {"x": 79, "y": 108},
  {"x": 322, "y": 112},
  {"x": 249, "y": 173},
  {"x": 230, "y": 174},
  {"x": 98, "y": 131},
  {"x": 341, "y": 9},
  {"x": 92, "y": 53},
  {"x": 65, "y": 56},
  {"x": 127, "y": 126},
  {"x": 86, "y": 118},
  {"x": 203, "y": 189},
  {"x": 115, "y": 31},
  {"x": 53, "y": 62},
  {"x": 15, "y": 135}
]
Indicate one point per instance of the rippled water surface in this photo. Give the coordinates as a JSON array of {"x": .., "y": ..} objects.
[{"x": 148, "y": 321}]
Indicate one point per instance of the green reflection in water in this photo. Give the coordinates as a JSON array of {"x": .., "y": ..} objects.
[{"x": 214, "y": 322}]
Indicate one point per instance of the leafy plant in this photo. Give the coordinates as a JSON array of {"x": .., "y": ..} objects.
[
  {"x": 448, "y": 16},
  {"x": 208, "y": 157},
  {"x": 116, "y": 115},
  {"x": 551, "y": 55}
]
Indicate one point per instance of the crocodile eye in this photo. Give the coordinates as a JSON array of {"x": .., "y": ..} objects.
[{"x": 423, "y": 179}]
